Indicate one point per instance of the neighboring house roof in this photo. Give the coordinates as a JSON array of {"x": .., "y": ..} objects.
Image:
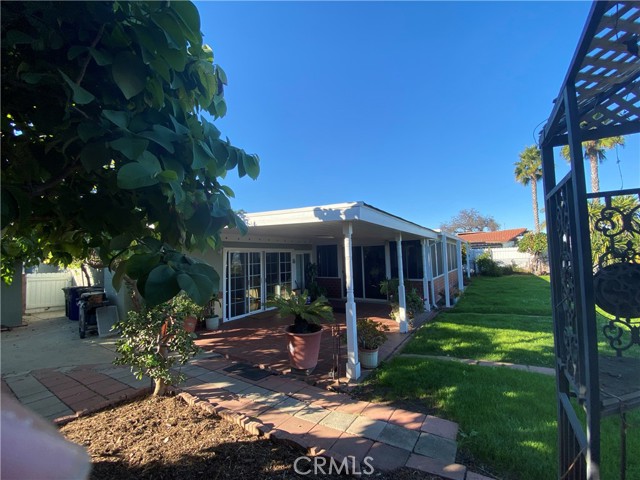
[{"x": 497, "y": 237}]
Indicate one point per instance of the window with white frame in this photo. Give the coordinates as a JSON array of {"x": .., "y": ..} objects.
[
  {"x": 452, "y": 256},
  {"x": 437, "y": 260}
]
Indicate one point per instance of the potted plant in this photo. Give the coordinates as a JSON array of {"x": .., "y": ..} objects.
[
  {"x": 304, "y": 335},
  {"x": 186, "y": 310},
  {"x": 211, "y": 319},
  {"x": 371, "y": 335}
]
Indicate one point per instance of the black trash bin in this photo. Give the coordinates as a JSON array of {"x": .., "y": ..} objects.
[
  {"x": 72, "y": 296},
  {"x": 88, "y": 303}
]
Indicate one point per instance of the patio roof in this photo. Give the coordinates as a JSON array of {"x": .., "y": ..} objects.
[
  {"x": 323, "y": 225},
  {"x": 605, "y": 75}
]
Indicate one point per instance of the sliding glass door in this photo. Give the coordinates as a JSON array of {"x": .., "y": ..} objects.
[
  {"x": 368, "y": 271},
  {"x": 252, "y": 277}
]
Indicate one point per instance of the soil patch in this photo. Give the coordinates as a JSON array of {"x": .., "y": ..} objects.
[{"x": 164, "y": 438}]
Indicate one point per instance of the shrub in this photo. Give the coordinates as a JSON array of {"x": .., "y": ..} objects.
[
  {"x": 415, "y": 303},
  {"x": 487, "y": 266},
  {"x": 153, "y": 341},
  {"x": 371, "y": 334}
]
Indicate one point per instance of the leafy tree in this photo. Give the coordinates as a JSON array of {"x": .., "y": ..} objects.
[
  {"x": 106, "y": 143},
  {"x": 470, "y": 220},
  {"x": 534, "y": 244},
  {"x": 594, "y": 153},
  {"x": 529, "y": 171}
]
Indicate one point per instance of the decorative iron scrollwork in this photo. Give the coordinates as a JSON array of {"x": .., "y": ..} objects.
[
  {"x": 621, "y": 334},
  {"x": 567, "y": 319},
  {"x": 617, "y": 289},
  {"x": 616, "y": 244}
]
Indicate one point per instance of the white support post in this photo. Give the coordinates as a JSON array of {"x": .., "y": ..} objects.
[
  {"x": 460, "y": 274},
  {"x": 468, "y": 261},
  {"x": 425, "y": 276},
  {"x": 445, "y": 265},
  {"x": 387, "y": 261},
  {"x": 402, "y": 295},
  {"x": 223, "y": 303},
  {"x": 432, "y": 287},
  {"x": 353, "y": 365}
]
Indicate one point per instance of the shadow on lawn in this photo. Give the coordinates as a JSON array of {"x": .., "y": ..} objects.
[{"x": 530, "y": 348}]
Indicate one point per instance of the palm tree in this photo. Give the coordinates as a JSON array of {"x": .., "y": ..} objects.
[
  {"x": 529, "y": 170},
  {"x": 594, "y": 152}
]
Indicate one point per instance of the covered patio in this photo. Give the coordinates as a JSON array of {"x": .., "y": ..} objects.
[
  {"x": 354, "y": 246},
  {"x": 259, "y": 340}
]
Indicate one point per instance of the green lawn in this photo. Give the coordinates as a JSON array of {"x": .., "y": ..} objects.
[
  {"x": 503, "y": 328},
  {"x": 513, "y": 294},
  {"x": 526, "y": 340},
  {"x": 507, "y": 417}
]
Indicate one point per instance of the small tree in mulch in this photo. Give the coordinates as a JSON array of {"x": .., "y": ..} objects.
[{"x": 153, "y": 341}]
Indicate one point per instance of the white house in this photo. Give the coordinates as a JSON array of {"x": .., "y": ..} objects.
[{"x": 354, "y": 245}]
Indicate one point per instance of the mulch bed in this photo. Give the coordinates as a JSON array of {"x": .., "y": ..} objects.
[{"x": 164, "y": 438}]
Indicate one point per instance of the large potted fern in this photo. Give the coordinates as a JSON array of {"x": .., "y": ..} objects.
[{"x": 304, "y": 335}]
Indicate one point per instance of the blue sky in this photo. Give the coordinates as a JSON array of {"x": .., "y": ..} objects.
[{"x": 417, "y": 108}]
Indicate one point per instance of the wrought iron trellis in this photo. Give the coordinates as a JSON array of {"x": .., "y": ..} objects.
[{"x": 594, "y": 241}]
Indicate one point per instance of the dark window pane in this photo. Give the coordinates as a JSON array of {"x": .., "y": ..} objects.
[{"x": 328, "y": 261}]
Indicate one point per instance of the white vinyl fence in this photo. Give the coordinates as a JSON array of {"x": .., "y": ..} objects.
[
  {"x": 509, "y": 256},
  {"x": 44, "y": 290}
]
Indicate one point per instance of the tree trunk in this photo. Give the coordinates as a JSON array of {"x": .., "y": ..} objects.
[
  {"x": 595, "y": 177},
  {"x": 534, "y": 200},
  {"x": 159, "y": 384},
  {"x": 87, "y": 277},
  {"x": 160, "y": 387}
]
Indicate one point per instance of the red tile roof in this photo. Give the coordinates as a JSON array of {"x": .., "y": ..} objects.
[{"x": 500, "y": 236}]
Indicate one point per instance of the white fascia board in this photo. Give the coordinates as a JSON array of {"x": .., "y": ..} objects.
[
  {"x": 339, "y": 212},
  {"x": 379, "y": 217},
  {"x": 262, "y": 239},
  {"x": 321, "y": 213}
]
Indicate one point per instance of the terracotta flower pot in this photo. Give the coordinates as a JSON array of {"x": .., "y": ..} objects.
[
  {"x": 303, "y": 349},
  {"x": 190, "y": 324}
]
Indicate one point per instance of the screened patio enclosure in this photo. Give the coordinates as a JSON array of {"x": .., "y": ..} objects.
[
  {"x": 594, "y": 244},
  {"x": 353, "y": 246}
]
